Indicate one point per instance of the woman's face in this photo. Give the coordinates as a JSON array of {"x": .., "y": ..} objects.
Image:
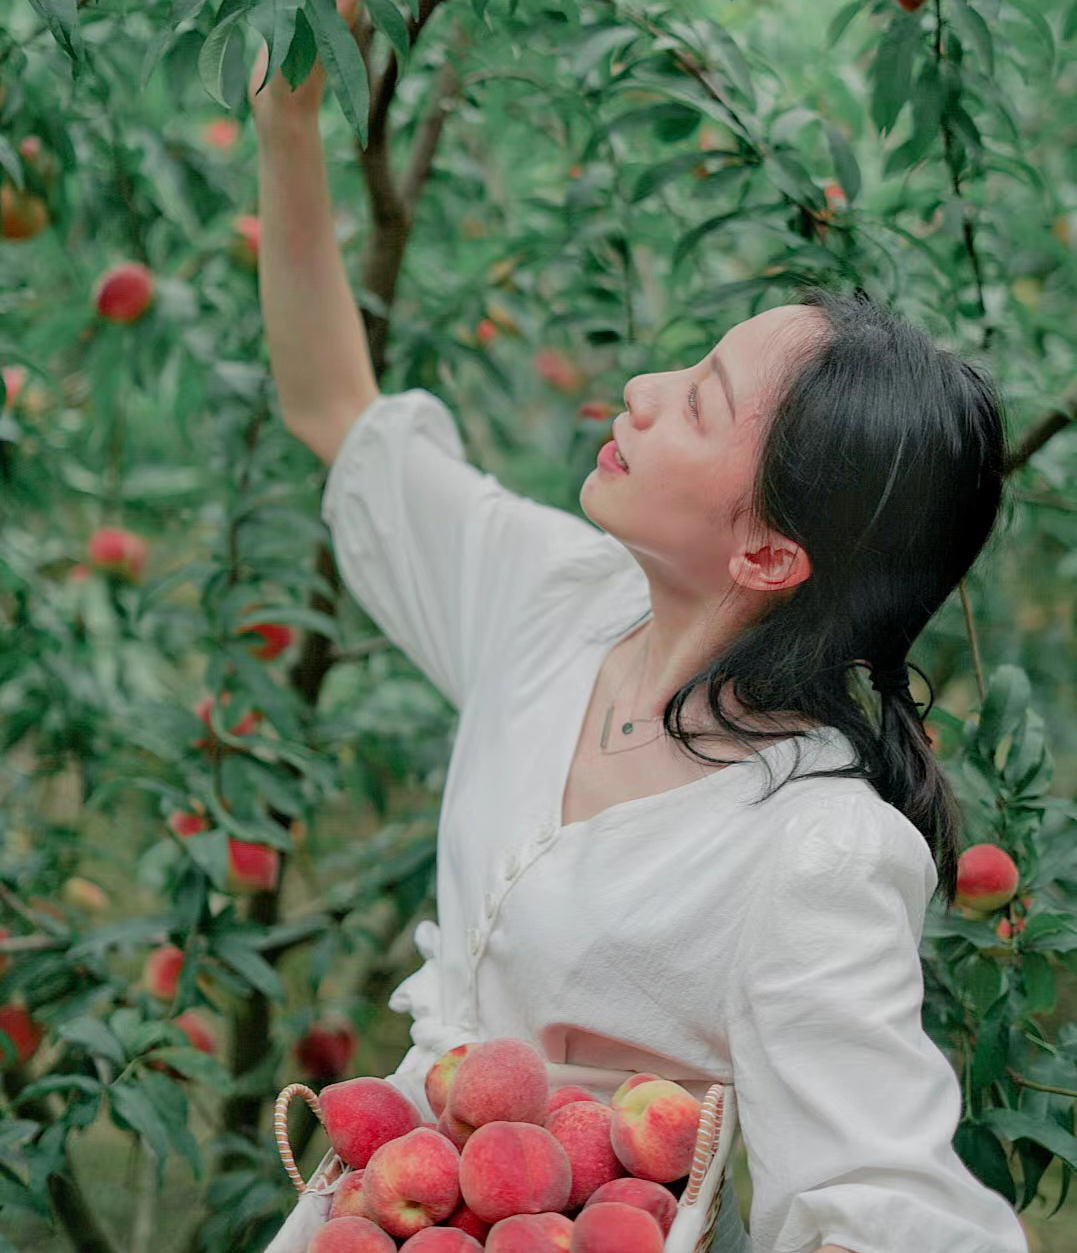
[{"x": 691, "y": 439}]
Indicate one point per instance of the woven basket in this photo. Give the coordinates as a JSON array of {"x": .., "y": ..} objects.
[{"x": 697, "y": 1208}]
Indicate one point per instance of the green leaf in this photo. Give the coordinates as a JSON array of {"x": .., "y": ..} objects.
[
  {"x": 974, "y": 32},
  {"x": 131, "y": 1106},
  {"x": 846, "y": 166},
  {"x": 927, "y": 118},
  {"x": 790, "y": 177},
  {"x": 656, "y": 176},
  {"x": 1039, "y": 980},
  {"x": 248, "y": 963},
  {"x": 1052, "y": 933},
  {"x": 1008, "y": 696},
  {"x": 1014, "y": 1124},
  {"x": 211, "y": 60},
  {"x": 182, "y": 13},
  {"x": 733, "y": 60},
  {"x": 891, "y": 71},
  {"x": 209, "y": 852},
  {"x": 982, "y": 1153},
  {"x": 840, "y": 22},
  {"x": 1031, "y": 10},
  {"x": 344, "y": 66},
  {"x": 92, "y": 1035},
  {"x": 386, "y": 17},
  {"x": 85, "y": 1084},
  {"x": 62, "y": 19},
  {"x": 275, "y": 20},
  {"x": 1069, "y": 29}
]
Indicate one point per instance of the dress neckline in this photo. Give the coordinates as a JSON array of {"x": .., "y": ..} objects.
[{"x": 712, "y": 778}]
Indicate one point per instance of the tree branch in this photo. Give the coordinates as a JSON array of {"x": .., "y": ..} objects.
[
  {"x": 1060, "y": 419},
  {"x": 428, "y": 133}
]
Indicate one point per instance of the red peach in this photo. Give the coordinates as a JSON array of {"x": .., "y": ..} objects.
[
  {"x": 530, "y": 1233},
  {"x": 633, "y": 1081},
  {"x": 440, "y": 1076},
  {"x": 654, "y": 1130},
  {"x": 836, "y": 198},
  {"x": 116, "y": 551},
  {"x": 243, "y": 727},
  {"x": 440, "y": 1240},
  {"x": 987, "y": 878},
  {"x": 125, "y": 292},
  {"x": 14, "y": 379},
  {"x": 351, "y": 1235},
  {"x": 348, "y": 1197},
  {"x": 655, "y": 1198},
  {"x": 20, "y": 1036},
  {"x": 582, "y": 1129},
  {"x": 500, "y": 1080},
  {"x": 558, "y": 370},
  {"x": 1004, "y": 930},
  {"x": 276, "y": 638},
  {"x": 465, "y": 1219},
  {"x": 910, "y": 6},
  {"x": 162, "y": 971},
  {"x": 598, "y": 410},
  {"x": 611, "y": 1227},
  {"x": 252, "y": 867},
  {"x": 327, "y": 1051},
  {"x": 84, "y": 894},
  {"x": 247, "y": 240},
  {"x": 360, "y": 1115},
  {"x": 198, "y": 1032},
  {"x": 22, "y": 214},
  {"x": 453, "y": 1129},
  {"x": 513, "y": 1168},
  {"x": 30, "y": 148},
  {"x": 222, "y": 132},
  {"x": 183, "y": 823},
  {"x": 565, "y": 1096},
  {"x": 412, "y": 1182},
  {"x": 486, "y": 331}
]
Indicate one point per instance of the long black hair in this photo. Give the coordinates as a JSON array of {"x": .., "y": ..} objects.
[{"x": 882, "y": 457}]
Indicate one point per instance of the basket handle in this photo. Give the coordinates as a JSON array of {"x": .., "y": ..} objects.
[
  {"x": 710, "y": 1126},
  {"x": 280, "y": 1127}
]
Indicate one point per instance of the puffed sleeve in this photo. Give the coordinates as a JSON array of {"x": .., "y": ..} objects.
[
  {"x": 442, "y": 556},
  {"x": 847, "y": 1106}
]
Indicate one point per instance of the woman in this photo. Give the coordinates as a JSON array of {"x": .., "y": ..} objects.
[{"x": 672, "y": 838}]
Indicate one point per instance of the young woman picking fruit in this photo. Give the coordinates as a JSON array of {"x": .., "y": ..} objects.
[{"x": 796, "y": 504}]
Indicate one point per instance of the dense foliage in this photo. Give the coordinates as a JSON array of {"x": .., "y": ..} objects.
[{"x": 583, "y": 192}]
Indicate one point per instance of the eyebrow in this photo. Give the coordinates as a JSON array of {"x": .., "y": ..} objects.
[{"x": 718, "y": 368}]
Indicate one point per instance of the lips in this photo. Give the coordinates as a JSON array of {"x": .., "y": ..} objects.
[{"x": 617, "y": 444}]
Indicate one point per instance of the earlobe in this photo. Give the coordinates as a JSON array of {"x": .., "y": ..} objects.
[{"x": 770, "y": 569}]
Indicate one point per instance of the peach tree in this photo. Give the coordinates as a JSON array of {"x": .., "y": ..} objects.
[{"x": 533, "y": 204}]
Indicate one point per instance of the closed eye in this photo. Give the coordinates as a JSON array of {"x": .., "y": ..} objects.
[{"x": 693, "y": 400}]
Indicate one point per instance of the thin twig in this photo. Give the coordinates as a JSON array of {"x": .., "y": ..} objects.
[{"x": 970, "y": 626}]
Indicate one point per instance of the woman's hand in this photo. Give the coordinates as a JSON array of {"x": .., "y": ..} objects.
[{"x": 277, "y": 95}]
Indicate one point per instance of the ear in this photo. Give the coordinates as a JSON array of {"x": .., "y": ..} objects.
[{"x": 769, "y": 563}]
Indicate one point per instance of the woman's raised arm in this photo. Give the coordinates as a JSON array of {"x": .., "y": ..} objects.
[{"x": 318, "y": 349}]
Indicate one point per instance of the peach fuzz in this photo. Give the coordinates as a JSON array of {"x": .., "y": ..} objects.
[
  {"x": 454, "y": 1130},
  {"x": 654, "y": 1131},
  {"x": 655, "y": 1198},
  {"x": 511, "y": 1168},
  {"x": 440, "y": 1076},
  {"x": 440, "y": 1240},
  {"x": 611, "y": 1227},
  {"x": 360, "y": 1115},
  {"x": 412, "y": 1182},
  {"x": 465, "y": 1219},
  {"x": 500, "y": 1080},
  {"x": 348, "y": 1197},
  {"x": 351, "y": 1235},
  {"x": 582, "y": 1128},
  {"x": 565, "y": 1096},
  {"x": 530, "y": 1233},
  {"x": 633, "y": 1081}
]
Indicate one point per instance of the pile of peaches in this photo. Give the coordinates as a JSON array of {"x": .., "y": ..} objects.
[{"x": 510, "y": 1166}]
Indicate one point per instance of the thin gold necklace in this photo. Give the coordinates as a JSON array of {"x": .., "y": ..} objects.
[{"x": 627, "y": 727}]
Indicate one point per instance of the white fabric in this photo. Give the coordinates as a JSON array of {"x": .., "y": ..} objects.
[{"x": 691, "y": 933}]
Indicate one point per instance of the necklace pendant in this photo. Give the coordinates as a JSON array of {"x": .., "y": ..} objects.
[{"x": 626, "y": 729}]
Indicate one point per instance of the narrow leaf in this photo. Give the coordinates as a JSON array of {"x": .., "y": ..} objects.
[{"x": 344, "y": 66}]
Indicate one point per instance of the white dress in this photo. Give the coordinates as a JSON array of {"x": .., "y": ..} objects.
[{"x": 694, "y": 933}]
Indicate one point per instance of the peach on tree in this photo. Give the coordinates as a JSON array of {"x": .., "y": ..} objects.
[
  {"x": 124, "y": 292},
  {"x": 987, "y": 878}
]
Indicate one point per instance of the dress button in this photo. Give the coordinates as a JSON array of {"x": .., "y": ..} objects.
[
  {"x": 476, "y": 939},
  {"x": 491, "y": 904},
  {"x": 512, "y": 867},
  {"x": 545, "y": 834}
]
